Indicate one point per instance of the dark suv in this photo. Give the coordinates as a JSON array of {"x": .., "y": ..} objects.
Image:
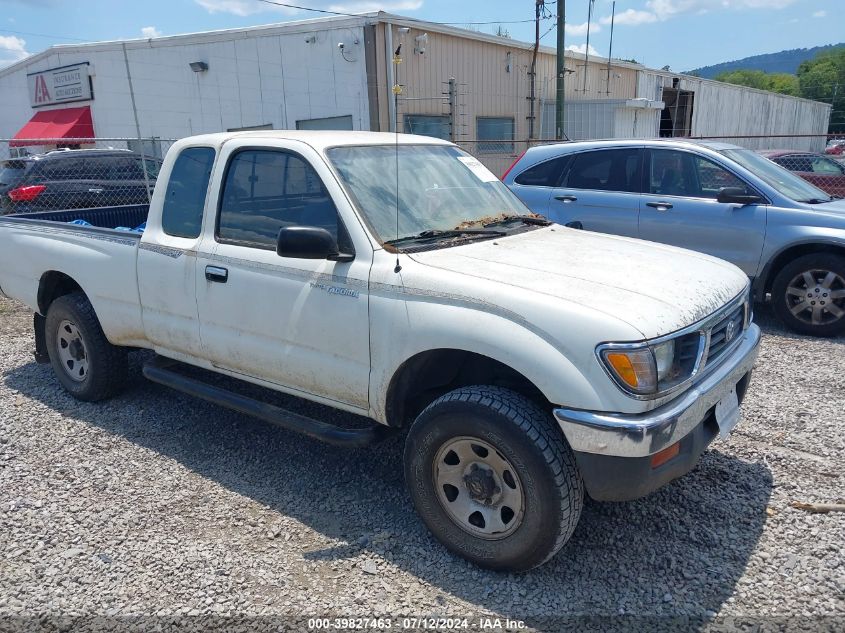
[{"x": 75, "y": 179}]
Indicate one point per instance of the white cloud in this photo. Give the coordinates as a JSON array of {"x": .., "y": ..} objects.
[
  {"x": 365, "y": 7},
  {"x": 150, "y": 31},
  {"x": 631, "y": 17},
  {"x": 660, "y": 10},
  {"x": 820, "y": 14},
  {"x": 250, "y": 7},
  {"x": 241, "y": 7},
  {"x": 12, "y": 49},
  {"x": 582, "y": 48},
  {"x": 580, "y": 30}
]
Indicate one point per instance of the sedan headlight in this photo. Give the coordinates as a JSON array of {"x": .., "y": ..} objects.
[{"x": 650, "y": 370}]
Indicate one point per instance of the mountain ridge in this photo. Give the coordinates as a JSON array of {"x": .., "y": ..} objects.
[{"x": 786, "y": 61}]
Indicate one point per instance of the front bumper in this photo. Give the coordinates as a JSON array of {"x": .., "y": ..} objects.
[{"x": 613, "y": 450}]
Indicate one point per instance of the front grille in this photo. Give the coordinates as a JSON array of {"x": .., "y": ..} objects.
[{"x": 724, "y": 333}]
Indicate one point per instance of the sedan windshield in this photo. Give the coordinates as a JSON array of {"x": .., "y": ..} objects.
[
  {"x": 785, "y": 182},
  {"x": 441, "y": 188}
]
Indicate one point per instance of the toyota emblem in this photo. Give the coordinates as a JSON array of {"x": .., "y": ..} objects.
[{"x": 730, "y": 331}]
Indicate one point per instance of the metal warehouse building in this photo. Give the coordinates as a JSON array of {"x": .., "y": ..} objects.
[{"x": 337, "y": 73}]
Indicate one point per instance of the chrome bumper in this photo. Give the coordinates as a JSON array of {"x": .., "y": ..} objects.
[{"x": 643, "y": 434}]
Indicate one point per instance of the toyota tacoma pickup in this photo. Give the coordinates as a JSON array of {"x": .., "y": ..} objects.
[{"x": 398, "y": 279}]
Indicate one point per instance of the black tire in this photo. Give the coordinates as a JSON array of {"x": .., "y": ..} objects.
[
  {"x": 523, "y": 435},
  {"x": 106, "y": 365},
  {"x": 784, "y": 301}
]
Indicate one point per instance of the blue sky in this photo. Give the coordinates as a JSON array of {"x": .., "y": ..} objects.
[{"x": 684, "y": 34}]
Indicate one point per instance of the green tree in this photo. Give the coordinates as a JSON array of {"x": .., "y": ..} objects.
[{"x": 823, "y": 79}]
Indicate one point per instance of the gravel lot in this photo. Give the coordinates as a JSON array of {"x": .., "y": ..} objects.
[{"x": 157, "y": 505}]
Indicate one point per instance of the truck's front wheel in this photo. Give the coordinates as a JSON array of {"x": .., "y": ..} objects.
[
  {"x": 86, "y": 364},
  {"x": 492, "y": 478}
]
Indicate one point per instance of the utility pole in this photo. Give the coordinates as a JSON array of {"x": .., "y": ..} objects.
[
  {"x": 538, "y": 7},
  {"x": 610, "y": 52},
  {"x": 561, "y": 69}
]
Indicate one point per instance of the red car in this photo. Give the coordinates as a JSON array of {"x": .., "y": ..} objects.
[
  {"x": 836, "y": 147},
  {"x": 824, "y": 172}
]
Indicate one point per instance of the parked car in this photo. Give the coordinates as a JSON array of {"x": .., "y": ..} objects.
[
  {"x": 824, "y": 172},
  {"x": 835, "y": 147},
  {"x": 531, "y": 362},
  {"x": 787, "y": 235},
  {"x": 75, "y": 179}
]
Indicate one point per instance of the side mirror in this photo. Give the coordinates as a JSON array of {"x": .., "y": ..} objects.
[
  {"x": 308, "y": 242},
  {"x": 737, "y": 195}
]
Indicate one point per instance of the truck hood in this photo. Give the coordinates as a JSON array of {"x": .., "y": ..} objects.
[{"x": 656, "y": 289}]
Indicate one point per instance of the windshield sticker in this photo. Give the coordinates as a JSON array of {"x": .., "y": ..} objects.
[{"x": 480, "y": 171}]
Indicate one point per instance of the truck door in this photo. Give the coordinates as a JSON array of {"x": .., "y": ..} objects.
[
  {"x": 167, "y": 257},
  {"x": 301, "y": 324},
  {"x": 680, "y": 208}
]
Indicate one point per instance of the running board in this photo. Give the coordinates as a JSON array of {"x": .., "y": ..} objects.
[{"x": 158, "y": 370}]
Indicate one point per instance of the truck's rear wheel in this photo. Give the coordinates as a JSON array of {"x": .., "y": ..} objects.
[
  {"x": 86, "y": 364},
  {"x": 492, "y": 478},
  {"x": 808, "y": 295}
]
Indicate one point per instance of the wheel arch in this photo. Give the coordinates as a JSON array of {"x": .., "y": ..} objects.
[
  {"x": 428, "y": 375},
  {"x": 52, "y": 285},
  {"x": 790, "y": 253}
]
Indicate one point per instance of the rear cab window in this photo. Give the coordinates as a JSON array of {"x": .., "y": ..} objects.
[{"x": 184, "y": 201}]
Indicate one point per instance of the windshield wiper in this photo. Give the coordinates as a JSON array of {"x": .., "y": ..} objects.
[
  {"x": 816, "y": 201},
  {"x": 436, "y": 234},
  {"x": 525, "y": 219}
]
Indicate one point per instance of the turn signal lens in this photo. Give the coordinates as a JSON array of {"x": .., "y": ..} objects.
[
  {"x": 658, "y": 459},
  {"x": 635, "y": 368}
]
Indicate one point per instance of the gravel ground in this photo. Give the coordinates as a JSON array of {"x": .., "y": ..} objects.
[{"x": 154, "y": 505}]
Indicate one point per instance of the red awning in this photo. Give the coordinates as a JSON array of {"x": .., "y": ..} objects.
[{"x": 66, "y": 123}]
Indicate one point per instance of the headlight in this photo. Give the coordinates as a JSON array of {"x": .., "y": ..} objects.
[{"x": 653, "y": 369}]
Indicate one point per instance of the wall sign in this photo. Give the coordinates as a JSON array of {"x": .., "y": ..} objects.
[{"x": 60, "y": 85}]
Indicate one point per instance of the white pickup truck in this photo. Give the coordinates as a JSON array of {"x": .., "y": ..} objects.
[{"x": 529, "y": 362}]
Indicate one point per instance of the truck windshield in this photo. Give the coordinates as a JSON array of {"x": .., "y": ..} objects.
[
  {"x": 785, "y": 182},
  {"x": 441, "y": 188}
]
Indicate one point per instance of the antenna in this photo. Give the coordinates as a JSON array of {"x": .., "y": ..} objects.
[{"x": 397, "y": 90}]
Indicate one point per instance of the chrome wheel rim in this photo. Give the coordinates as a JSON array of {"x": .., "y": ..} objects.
[
  {"x": 816, "y": 297},
  {"x": 71, "y": 351},
  {"x": 478, "y": 488}
]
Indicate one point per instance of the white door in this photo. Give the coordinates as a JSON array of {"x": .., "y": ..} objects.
[
  {"x": 301, "y": 324},
  {"x": 167, "y": 257}
]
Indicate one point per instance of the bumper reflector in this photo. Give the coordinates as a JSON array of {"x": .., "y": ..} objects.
[{"x": 658, "y": 459}]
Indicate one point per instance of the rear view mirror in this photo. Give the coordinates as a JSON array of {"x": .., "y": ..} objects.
[
  {"x": 737, "y": 195},
  {"x": 309, "y": 242}
]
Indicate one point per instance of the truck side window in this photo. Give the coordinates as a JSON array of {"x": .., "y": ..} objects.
[
  {"x": 184, "y": 199},
  {"x": 266, "y": 190}
]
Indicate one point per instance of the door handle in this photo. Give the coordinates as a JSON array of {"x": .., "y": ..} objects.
[
  {"x": 217, "y": 274},
  {"x": 566, "y": 198},
  {"x": 660, "y": 206}
]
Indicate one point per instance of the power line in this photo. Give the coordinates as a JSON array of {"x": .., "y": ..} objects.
[
  {"x": 358, "y": 15},
  {"x": 55, "y": 37}
]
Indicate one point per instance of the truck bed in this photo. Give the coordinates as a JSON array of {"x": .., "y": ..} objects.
[{"x": 99, "y": 218}]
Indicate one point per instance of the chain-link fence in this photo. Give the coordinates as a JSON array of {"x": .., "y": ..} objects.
[{"x": 57, "y": 174}]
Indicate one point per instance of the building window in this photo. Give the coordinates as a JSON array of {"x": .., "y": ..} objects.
[
  {"x": 428, "y": 125},
  {"x": 327, "y": 123},
  {"x": 498, "y": 132}
]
